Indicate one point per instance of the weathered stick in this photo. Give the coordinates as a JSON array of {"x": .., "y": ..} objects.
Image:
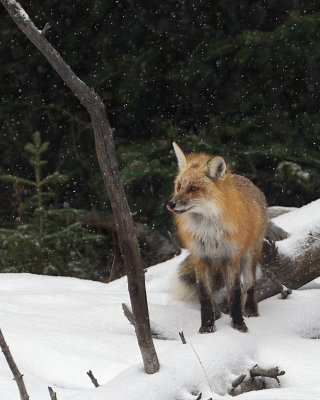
[
  {"x": 105, "y": 149},
  {"x": 18, "y": 377},
  {"x": 268, "y": 373},
  {"x": 93, "y": 379},
  {"x": 52, "y": 393},
  {"x": 183, "y": 340}
]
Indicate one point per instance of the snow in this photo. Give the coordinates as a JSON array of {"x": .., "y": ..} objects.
[
  {"x": 299, "y": 223},
  {"x": 59, "y": 328},
  {"x": 19, "y": 10}
]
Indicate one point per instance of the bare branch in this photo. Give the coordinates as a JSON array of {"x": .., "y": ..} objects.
[
  {"x": 105, "y": 148},
  {"x": 93, "y": 379},
  {"x": 18, "y": 377}
]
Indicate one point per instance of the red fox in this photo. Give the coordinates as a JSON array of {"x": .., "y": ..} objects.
[{"x": 221, "y": 219}]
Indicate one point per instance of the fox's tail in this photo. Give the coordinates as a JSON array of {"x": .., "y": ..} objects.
[{"x": 183, "y": 283}]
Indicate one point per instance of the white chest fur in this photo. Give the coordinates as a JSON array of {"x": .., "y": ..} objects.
[{"x": 208, "y": 235}]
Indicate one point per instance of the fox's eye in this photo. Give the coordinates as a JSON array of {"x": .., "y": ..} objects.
[{"x": 194, "y": 188}]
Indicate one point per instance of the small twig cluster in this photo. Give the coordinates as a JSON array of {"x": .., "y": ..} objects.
[
  {"x": 241, "y": 384},
  {"x": 255, "y": 380}
]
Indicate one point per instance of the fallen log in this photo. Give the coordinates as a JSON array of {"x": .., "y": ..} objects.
[{"x": 282, "y": 274}]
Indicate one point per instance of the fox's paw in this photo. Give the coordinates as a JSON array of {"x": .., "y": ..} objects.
[
  {"x": 207, "y": 329},
  {"x": 250, "y": 313},
  {"x": 242, "y": 327}
]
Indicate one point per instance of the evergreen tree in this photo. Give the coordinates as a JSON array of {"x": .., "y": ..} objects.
[
  {"x": 44, "y": 241},
  {"x": 240, "y": 80}
]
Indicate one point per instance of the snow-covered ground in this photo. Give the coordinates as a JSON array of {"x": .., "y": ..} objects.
[{"x": 59, "y": 328}]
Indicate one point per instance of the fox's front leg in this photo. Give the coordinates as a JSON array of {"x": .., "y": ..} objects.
[
  {"x": 206, "y": 302},
  {"x": 234, "y": 295}
]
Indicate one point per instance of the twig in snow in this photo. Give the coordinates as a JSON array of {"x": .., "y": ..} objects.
[
  {"x": 93, "y": 379},
  {"x": 156, "y": 331},
  {"x": 183, "y": 340},
  {"x": 200, "y": 394},
  {"x": 53, "y": 394},
  {"x": 17, "y": 376}
]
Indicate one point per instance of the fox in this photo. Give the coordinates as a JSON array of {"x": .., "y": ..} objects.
[{"x": 221, "y": 219}]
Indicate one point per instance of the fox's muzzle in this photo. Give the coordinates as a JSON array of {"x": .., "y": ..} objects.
[{"x": 171, "y": 205}]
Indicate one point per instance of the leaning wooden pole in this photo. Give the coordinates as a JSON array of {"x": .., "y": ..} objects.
[
  {"x": 109, "y": 168},
  {"x": 18, "y": 377}
]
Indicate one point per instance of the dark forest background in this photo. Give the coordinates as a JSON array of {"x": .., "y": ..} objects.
[{"x": 239, "y": 79}]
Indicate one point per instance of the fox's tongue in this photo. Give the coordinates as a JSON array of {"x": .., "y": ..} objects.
[{"x": 169, "y": 208}]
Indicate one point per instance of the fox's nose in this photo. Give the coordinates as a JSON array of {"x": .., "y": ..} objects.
[{"x": 171, "y": 205}]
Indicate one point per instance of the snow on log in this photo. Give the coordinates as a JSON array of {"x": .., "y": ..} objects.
[{"x": 294, "y": 260}]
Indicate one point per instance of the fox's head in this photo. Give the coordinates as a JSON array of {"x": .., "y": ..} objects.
[{"x": 197, "y": 183}]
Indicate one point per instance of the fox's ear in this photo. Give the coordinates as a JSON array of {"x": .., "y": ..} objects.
[
  {"x": 182, "y": 161},
  {"x": 216, "y": 168}
]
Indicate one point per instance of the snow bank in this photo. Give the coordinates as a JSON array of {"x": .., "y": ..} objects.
[
  {"x": 299, "y": 223},
  {"x": 59, "y": 328}
]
